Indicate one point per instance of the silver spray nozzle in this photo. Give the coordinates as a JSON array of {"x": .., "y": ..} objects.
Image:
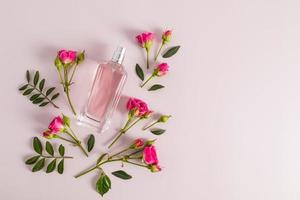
[{"x": 119, "y": 55}]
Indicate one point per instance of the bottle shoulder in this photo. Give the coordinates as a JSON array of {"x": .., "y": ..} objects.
[{"x": 113, "y": 66}]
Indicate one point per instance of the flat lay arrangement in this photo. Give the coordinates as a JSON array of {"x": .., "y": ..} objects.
[{"x": 103, "y": 99}]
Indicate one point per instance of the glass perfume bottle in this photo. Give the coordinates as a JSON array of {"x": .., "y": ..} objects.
[{"x": 105, "y": 93}]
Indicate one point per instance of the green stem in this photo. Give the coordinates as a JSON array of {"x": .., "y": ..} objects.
[
  {"x": 108, "y": 161},
  {"x": 66, "y": 157},
  {"x": 75, "y": 67},
  {"x": 160, "y": 48},
  {"x": 116, "y": 139},
  {"x": 34, "y": 87},
  {"x": 150, "y": 125},
  {"x": 125, "y": 130},
  {"x": 116, "y": 154},
  {"x": 147, "y": 81},
  {"x": 69, "y": 100},
  {"x": 65, "y": 139},
  {"x": 147, "y": 58},
  {"x": 137, "y": 164},
  {"x": 78, "y": 143}
]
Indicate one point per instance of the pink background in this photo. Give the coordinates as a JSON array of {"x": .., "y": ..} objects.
[{"x": 233, "y": 89}]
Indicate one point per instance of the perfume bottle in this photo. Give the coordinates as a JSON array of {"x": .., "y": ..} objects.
[{"x": 105, "y": 93}]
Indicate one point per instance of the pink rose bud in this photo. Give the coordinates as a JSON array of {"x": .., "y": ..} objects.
[
  {"x": 164, "y": 118},
  {"x": 145, "y": 40},
  {"x": 138, "y": 143},
  {"x": 149, "y": 155},
  {"x": 47, "y": 134},
  {"x": 67, "y": 57},
  {"x": 57, "y": 125},
  {"x": 166, "y": 37},
  {"x": 161, "y": 69},
  {"x": 155, "y": 168},
  {"x": 140, "y": 107}
]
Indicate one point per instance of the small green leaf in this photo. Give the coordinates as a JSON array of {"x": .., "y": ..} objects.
[
  {"x": 90, "y": 143},
  {"x": 27, "y": 76},
  {"x": 33, "y": 97},
  {"x": 158, "y": 131},
  {"x": 44, "y": 104},
  {"x": 61, "y": 150},
  {"x": 121, "y": 174},
  {"x": 103, "y": 184},
  {"x": 66, "y": 120},
  {"x": 38, "y": 100},
  {"x": 32, "y": 160},
  {"x": 101, "y": 158},
  {"x": 23, "y": 87},
  {"x": 49, "y": 91},
  {"x": 41, "y": 85},
  {"x": 155, "y": 87},
  {"x": 54, "y": 96},
  {"x": 171, "y": 52},
  {"x": 51, "y": 166},
  {"x": 139, "y": 72},
  {"x": 37, "y": 145},
  {"x": 60, "y": 166},
  {"x": 39, "y": 165},
  {"x": 49, "y": 148},
  {"x": 28, "y": 91},
  {"x": 36, "y": 78}
]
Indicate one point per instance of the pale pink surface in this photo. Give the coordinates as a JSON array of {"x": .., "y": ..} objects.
[{"x": 233, "y": 92}]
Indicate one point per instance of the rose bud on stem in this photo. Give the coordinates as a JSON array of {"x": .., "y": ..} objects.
[
  {"x": 166, "y": 38},
  {"x": 146, "y": 40},
  {"x": 161, "y": 70},
  {"x": 138, "y": 110},
  {"x": 65, "y": 62},
  {"x": 147, "y": 157},
  {"x": 62, "y": 125},
  {"x": 161, "y": 119}
]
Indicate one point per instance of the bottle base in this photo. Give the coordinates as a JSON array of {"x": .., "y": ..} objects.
[{"x": 98, "y": 126}]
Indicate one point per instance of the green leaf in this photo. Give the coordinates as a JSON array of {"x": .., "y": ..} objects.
[
  {"x": 37, "y": 145},
  {"x": 90, "y": 143},
  {"x": 54, "y": 96},
  {"x": 39, "y": 165},
  {"x": 61, "y": 150},
  {"x": 28, "y": 91},
  {"x": 44, "y": 104},
  {"x": 60, "y": 166},
  {"x": 101, "y": 158},
  {"x": 33, "y": 97},
  {"x": 155, "y": 87},
  {"x": 36, "y": 78},
  {"x": 51, "y": 166},
  {"x": 139, "y": 72},
  {"x": 23, "y": 87},
  {"x": 38, "y": 100},
  {"x": 121, "y": 174},
  {"x": 32, "y": 160},
  {"x": 157, "y": 131},
  {"x": 171, "y": 52},
  {"x": 66, "y": 120},
  {"x": 103, "y": 184},
  {"x": 27, "y": 76},
  {"x": 49, "y": 148},
  {"x": 41, "y": 85},
  {"x": 49, "y": 91}
]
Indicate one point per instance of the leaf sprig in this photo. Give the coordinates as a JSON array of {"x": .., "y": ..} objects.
[
  {"x": 38, "y": 161},
  {"x": 35, "y": 88}
]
